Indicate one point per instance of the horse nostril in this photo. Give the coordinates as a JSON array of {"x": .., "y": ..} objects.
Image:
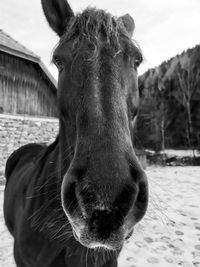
[
  {"x": 80, "y": 173},
  {"x": 135, "y": 172},
  {"x": 69, "y": 187}
]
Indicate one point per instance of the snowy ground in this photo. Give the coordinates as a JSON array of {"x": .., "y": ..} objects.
[
  {"x": 168, "y": 236},
  {"x": 182, "y": 153}
]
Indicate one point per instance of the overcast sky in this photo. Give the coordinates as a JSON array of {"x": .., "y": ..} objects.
[{"x": 163, "y": 28}]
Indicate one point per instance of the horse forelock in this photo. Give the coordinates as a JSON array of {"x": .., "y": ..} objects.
[{"x": 93, "y": 23}]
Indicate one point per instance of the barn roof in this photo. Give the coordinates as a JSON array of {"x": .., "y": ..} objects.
[{"x": 11, "y": 46}]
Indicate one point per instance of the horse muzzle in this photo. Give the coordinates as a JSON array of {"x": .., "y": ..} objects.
[{"x": 100, "y": 221}]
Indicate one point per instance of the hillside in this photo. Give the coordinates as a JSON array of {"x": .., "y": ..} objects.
[{"x": 169, "y": 114}]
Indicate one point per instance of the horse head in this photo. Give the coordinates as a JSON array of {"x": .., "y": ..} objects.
[{"x": 104, "y": 189}]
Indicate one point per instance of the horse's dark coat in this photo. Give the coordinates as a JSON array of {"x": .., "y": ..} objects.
[{"x": 87, "y": 189}]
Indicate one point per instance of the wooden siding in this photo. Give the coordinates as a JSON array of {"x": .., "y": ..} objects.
[{"x": 24, "y": 88}]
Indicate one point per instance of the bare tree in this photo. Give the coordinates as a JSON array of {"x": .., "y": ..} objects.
[
  {"x": 164, "y": 118},
  {"x": 187, "y": 78}
]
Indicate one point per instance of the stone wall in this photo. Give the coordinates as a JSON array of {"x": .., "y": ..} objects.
[{"x": 16, "y": 131}]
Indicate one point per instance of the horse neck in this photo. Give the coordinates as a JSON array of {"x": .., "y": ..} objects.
[
  {"x": 55, "y": 159},
  {"x": 48, "y": 163}
]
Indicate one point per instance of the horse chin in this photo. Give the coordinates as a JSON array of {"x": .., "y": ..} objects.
[
  {"x": 89, "y": 241},
  {"x": 81, "y": 235},
  {"x": 101, "y": 245}
]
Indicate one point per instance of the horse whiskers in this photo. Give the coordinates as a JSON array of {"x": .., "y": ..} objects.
[
  {"x": 47, "y": 183},
  {"x": 42, "y": 194},
  {"x": 67, "y": 155},
  {"x": 82, "y": 253},
  {"x": 86, "y": 256},
  {"x": 40, "y": 215},
  {"x": 71, "y": 203},
  {"x": 157, "y": 204},
  {"x": 58, "y": 235},
  {"x": 56, "y": 231},
  {"x": 68, "y": 150}
]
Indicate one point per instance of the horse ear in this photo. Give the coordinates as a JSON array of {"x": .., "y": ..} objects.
[
  {"x": 129, "y": 23},
  {"x": 58, "y": 13}
]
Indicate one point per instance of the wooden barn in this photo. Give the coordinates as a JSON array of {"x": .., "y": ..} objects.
[{"x": 26, "y": 86}]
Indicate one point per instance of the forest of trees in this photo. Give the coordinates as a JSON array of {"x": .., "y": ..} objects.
[{"x": 169, "y": 115}]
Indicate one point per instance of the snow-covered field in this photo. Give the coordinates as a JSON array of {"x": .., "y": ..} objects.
[{"x": 168, "y": 236}]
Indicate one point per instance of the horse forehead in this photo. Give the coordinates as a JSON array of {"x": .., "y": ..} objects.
[{"x": 92, "y": 20}]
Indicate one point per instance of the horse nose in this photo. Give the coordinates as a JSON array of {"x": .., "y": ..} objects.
[{"x": 126, "y": 189}]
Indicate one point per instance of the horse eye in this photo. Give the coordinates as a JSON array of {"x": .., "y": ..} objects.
[
  {"x": 58, "y": 63},
  {"x": 133, "y": 114},
  {"x": 137, "y": 62}
]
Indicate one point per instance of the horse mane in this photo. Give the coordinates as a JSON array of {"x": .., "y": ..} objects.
[{"x": 90, "y": 24}]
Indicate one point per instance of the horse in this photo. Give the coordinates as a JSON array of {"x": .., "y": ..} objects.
[{"x": 75, "y": 202}]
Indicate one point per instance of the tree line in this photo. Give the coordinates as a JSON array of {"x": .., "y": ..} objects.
[{"x": 169, "y": 115}]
